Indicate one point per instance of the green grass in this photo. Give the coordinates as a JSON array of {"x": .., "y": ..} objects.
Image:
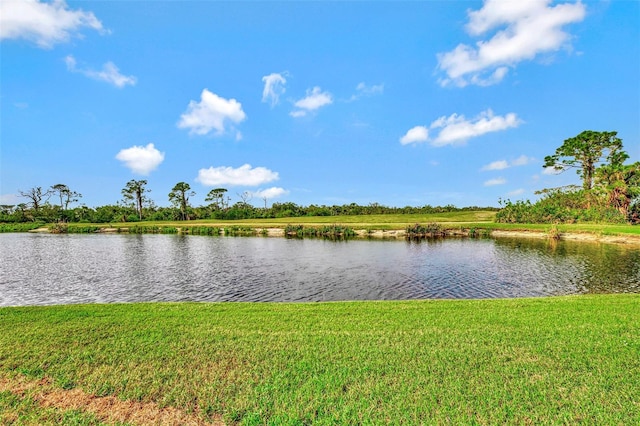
[
  {"x": 453, "y": 220},
  {"x": 479, "y": 219},
  {"x": 521, "y": 361},
  {"x": 19, "y": 227},
  {"x": 24, "y": 410}
]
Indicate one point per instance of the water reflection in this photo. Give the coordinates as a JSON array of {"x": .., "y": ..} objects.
[{"x": 53, "y": 269}]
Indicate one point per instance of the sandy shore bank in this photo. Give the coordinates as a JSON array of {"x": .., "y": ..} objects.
[{"x": 401, "y": 233}]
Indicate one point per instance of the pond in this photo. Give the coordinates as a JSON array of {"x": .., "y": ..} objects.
[{"x": 43, "y": 269}]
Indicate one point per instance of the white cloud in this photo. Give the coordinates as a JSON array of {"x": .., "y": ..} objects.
[
  {"x": 43, "y": 23},
  {"x": 526, "y": 29},
  {"x": 109, "y": 73},
  {"x": 497, "y": 181},
  {"x": 273, "y": 87},
  {"x": 314, "y": 100},
  {"x": 496, "y": 165},
  {"x": 416, "y": 134},
  {"x": 363, "y": 90},
  {"x": 141, "y": 160},
  {"x": 242, "y": 176},
  {"x": 523, "y": 160},
  {"x": 9, "y": 199},
  {"x": 270, "y": 193},
  {"x": 551, "y": 171},
  {"x": 370, "y": 90},
  {"x": 457, "y": 129},
  {"x": 515, "y": 192},
  {"x": 211, "y": 113}
]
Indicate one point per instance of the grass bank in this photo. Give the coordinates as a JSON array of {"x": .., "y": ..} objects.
[
  {"x": 453, "y": 221},
  {"x": 524, "y": 361}
]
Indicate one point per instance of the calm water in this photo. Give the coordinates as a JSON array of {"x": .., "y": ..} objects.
[{"x": 38, "y": 269}]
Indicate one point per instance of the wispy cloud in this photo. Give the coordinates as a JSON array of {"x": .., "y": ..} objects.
[
  {"x": 523, "y": 160},
  {"x": 314, "y": 100},
  {"x": 496, "y": 165},
  {"x": 211, "y": 113},
  {"x": 493, "y": 182},
  {"x": 244, "y": 175},
  {"x": 141, "y": 160},
  {"x": 527, "y": 29},
  {"x": 44, "y": 23},
  {"x": 273, "y": 87},
  {"x": 363, "y": 90},
  {"x": 109, "y": 73},
  {"x": 513, "y": 193},
  {"x": 457, "y": 129}
]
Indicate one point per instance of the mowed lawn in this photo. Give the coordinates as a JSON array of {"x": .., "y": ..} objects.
[
  {"x": 480, "y": 219},
  {"x": 563, "y": 360}
]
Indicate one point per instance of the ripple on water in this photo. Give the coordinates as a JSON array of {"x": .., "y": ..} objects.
[{"x": 55, "y": 269}]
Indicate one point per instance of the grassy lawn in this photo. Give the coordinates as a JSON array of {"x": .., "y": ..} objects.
[
  {"x": 524, "y": 361},
  {"x": 454, "y": 220}
]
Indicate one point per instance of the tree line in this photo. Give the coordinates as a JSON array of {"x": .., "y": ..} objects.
[
  {"x": 54, "y": 204},
  {"x": 610, "y": 190}
]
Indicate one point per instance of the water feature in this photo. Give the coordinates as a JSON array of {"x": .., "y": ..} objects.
[{"x": 41, "y": 269}]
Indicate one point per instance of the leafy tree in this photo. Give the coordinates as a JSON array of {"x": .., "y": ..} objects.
[
  {"x": 134, "y": 193},
  {"x": 619, "y": 183},
  {"x": 179, "y": 197},
  {"x": 36, "y": 196},
  {"x": 584, "y": 152},
  {"x": 217, "y": 196},
  {"x": 66, "y": 195}
]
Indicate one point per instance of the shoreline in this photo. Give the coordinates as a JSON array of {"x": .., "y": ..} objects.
[{"x": 450, "y": 232}]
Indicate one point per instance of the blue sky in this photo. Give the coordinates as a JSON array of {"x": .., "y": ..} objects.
[{"x": 399, "y": 103}]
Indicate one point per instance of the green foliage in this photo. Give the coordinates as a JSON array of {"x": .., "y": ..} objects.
[
  {"x": 560, "y": 205},
  {"x": 609, "y": 187},
  {"x": 237, "y": 231},
  {"x": 584, "y": 152},
  {"x": 179, "y": 197},
  {"x": 59, "y": 228},
  {"x": 429, "y": 230},
  {"x": 20, "y": 227},
  {"x": 202, "y": 230},
  {"x": 326, "y": 231},
  {"x": 134, "y": 194}
]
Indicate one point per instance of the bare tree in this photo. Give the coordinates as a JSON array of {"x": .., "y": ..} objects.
[
  {"x": 245, "y": 197},
  {"x": 36, "y": 197}
]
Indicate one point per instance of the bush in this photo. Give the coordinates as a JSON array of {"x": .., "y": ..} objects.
[{"x": 560, "y": 205}]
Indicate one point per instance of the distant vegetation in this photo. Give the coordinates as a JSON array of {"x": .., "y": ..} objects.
[
  {"x": 610, "y": 193},
  {"x": 610, "y": 190},
  {"x": 136, "y": 206}
]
